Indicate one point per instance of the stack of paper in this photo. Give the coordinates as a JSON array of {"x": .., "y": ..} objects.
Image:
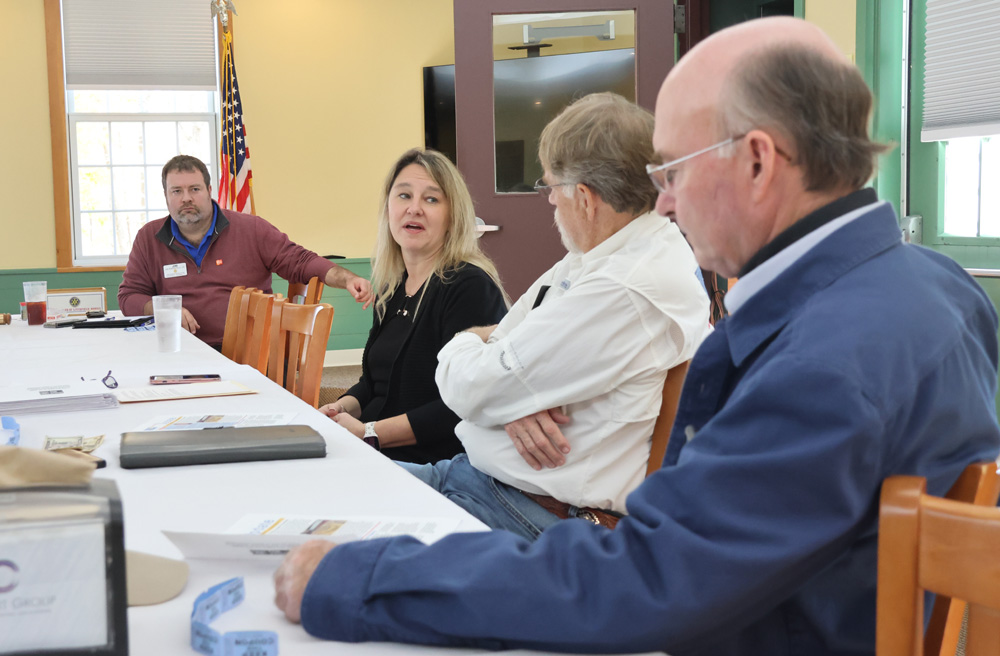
[
  {"x": 66, "y": 397},
  {"x": 173, "y": 392}
]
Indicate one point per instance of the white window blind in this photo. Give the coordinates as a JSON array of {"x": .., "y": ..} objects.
[
  {"x": 139, "y": 44},
  {"x": 961, "y": 69}
]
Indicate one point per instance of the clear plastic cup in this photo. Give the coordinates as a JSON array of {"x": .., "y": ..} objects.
[
  {"x": 167, "y": 315},
  {"x": 35, "y": 297}
]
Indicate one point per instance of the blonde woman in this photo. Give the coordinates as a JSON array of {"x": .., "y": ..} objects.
[{"x": 430, "y": 281}]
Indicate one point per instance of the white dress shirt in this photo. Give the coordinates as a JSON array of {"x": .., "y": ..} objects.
[{"x": 614, "y": 320}]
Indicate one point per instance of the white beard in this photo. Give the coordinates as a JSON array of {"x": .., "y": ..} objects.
[{"x": 567, "y": 241}]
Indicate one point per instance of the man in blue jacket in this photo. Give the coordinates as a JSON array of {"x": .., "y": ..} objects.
[{"x": 847, "y": 357}]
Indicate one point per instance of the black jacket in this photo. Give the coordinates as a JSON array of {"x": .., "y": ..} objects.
[{"x": 466, "y": 297}]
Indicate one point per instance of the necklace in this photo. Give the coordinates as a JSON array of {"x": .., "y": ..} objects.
[{"x": 404, "y": 311}]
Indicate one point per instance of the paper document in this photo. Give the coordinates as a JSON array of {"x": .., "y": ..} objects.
[
  {"x": 172, "y": 392},
  {"x": 268, "y": 536},
  {"x": 197, "y": 422},
  {"x": 71, "y": 396}
]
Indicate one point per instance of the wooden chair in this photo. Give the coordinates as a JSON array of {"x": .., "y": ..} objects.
[
  {"x": 949, "y": 546},
  {"x": 311, "y": 292},
  {"x": 236, "y": 315},
  {"x": 301, "y": 331},
  {"x": 668, "y": 411},
  {"x": 253, "y": 338},
  {"x": 979, "y": 484}
]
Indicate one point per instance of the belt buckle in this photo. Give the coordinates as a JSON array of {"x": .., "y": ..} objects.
[{"x": 588, "y": 516}]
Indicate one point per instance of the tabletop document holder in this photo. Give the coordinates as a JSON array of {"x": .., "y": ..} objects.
[{"x": 62, "y": 571}]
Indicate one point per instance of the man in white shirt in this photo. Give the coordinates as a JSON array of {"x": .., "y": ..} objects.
[{"x": 558, "y": 401}]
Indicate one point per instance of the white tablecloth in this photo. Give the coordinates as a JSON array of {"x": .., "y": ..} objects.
[{"x": 352, "y": 480}]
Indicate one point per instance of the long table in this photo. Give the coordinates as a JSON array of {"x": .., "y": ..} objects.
[{"x": 352, "y": 480}]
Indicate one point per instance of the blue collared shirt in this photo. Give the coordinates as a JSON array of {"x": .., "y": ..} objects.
[{"x": 197, "y": 253}]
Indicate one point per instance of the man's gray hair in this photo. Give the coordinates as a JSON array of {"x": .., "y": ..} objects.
[
  {"x": 604, "y": 142},
  {"x": 821, "y": 105}
]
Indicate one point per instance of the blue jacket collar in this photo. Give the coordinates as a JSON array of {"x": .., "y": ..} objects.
[{"x": 767, "y": 312}]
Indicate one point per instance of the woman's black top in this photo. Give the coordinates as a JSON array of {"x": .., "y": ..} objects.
[{"x": 400, "y": 358}]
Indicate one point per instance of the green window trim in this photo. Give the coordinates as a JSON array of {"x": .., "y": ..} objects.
[{"x": 878, "y": 49}]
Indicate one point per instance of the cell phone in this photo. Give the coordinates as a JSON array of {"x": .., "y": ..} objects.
[
  {"x": 185, "y": 378},
  {"x": 96, "y": 314}
]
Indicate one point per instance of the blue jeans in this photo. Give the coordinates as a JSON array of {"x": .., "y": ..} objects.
[{"x": 495, "y": 504}]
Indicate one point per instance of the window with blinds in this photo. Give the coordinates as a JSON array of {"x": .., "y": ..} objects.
[
  {"x": 141, "y": 88},
  {"x": 961, "y": 69}
]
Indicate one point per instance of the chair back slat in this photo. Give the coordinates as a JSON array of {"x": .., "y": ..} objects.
[
  {"x": 668, "y": 411},
  {"x": 233, "y": 319},
  {"x": 298, "y": 348},
  {"x": 257, "y": 336},
  {"x": 309, "y": 293}
]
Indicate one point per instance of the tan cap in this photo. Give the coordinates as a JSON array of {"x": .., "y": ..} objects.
[
  {"x": 21, "y": 467},
  {"x": 153, "y": 579}
]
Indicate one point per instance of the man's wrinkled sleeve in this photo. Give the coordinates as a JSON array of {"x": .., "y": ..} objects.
[
  {"x": 709, "y": 546},
  {"x": 570, "y": 348}
]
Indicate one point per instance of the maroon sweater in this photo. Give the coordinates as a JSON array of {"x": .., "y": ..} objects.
[{"x": 245, "y": 250}]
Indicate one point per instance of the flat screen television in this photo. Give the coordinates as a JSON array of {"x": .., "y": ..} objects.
[{"x": 529, "y": 93}]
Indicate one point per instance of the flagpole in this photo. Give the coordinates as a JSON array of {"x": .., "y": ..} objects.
[
  {"x": 234, "y": 153},
  {"x": 232, "y": 55}
]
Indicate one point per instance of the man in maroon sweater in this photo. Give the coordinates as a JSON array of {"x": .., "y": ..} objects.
[{"x": 202, "y": 251}]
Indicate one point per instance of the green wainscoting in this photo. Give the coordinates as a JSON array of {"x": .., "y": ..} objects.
[{"x": 350, "y": 322}]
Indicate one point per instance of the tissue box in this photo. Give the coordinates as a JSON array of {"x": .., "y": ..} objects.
[{"x": 10, "y": 432}]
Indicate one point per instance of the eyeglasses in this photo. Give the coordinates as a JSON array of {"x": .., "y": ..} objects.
[
  {"x": 109, "y": 381},
  {"x": 662, "y": 175},
  {"x": 544, "y": 189}
]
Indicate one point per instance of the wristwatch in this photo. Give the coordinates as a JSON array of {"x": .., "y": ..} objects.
[{"x": 371, "y": 437}]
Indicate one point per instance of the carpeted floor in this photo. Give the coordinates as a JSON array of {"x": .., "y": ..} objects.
[{"x": 336, "y": 381}]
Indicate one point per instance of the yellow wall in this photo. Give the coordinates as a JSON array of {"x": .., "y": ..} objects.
[
  {"x": 837, "y": 18},
  {"x": 333, "y": 94},
  {"x": 26, "y": 213}
]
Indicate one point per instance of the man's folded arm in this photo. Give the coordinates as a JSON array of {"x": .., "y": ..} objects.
[{"x": 568, "y": 349}]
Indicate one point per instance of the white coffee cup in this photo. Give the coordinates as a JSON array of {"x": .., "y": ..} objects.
[{"x": 167, "y": 315}]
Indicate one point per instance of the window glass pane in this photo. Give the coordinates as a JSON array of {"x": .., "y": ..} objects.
[
  {"x": 961, "y": 187},
  {"x": 158, "y": 102},
  {"x": 161, "y": 142},
  {"x": 92, "y": 144},
  {"x": 154, "y": 188},
  {"x": 124, "y": 101},
  {"x": 127, "y": 224},
  {"x": 194, "y": 140},
  {"x": 93, "y": 102},
  {"x": 97, "y": 234},
  {"x": 989, "y": 207},
  {"x": 201, "y": 102},
  {"x": 130, "y": 187},
  {"x": 95, "y": 188},
  {"x": 126, "y": 142}
]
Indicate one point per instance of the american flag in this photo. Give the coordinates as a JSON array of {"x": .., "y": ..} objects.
[{"x": 236, "y": 185}]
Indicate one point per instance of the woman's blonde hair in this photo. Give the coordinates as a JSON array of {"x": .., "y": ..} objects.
[{"x": 460, "y": 244}]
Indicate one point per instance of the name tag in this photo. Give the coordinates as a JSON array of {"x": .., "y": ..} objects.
[{"x": 175, "y": 270}]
